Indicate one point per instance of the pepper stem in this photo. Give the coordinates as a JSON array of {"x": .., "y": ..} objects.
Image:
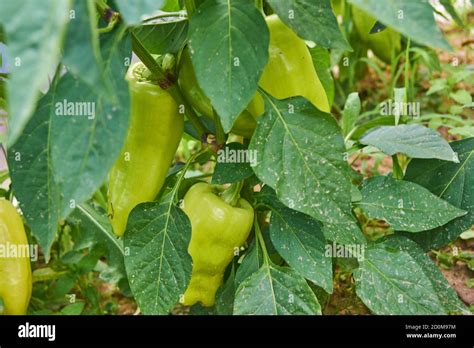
[{"x": 232, "y": 195}]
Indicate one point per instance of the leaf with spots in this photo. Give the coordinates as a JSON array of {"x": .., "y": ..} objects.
[
  {"x": 134, "y": 11},
  {"x": 413, "y": 140},
  {"x": 453, "y": 182},
  {"x": 413, "y": 19},
  {"x": 311, "y": 20},
  {"x": 34, "y": 32},
  {"x": 274, "y": 290},
  {"x": 158, "y": 264},
  {"x": 29, "y": 161},
  {"x": 392, "y": 282},
  {"x": 301, "y": 154},
  {"x": 228, "y": 42},
  {"x": 162, "y": 37},
  {"x": 406, "y": 206},
  {"x": 446, "y": 294},
  {"x": 344, "y": 232},
  {"x": 251, "y": 263},
  {"x": 86, "y": 141},
  {"x": 299, "y": 240},
  {"x": 233, "y": 164}
]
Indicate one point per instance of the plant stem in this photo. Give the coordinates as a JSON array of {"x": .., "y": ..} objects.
[
  {"x": 220, "y": 135},
  {"x": 190, "y": 6},
  {"x": 232, "y": 195},
  {"x": 407, "y": 70},
  {"x": 166, "y": 15},
  {"x": 397, "y": 169},
  {"x": 189, "y": 162},
  {"x": 167, "y": 81},
  {"x": 260, "y": 240}
]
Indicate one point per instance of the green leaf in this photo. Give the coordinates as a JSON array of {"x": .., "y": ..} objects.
[
  {"x": 437, "y": 85},
  {"x": 359, "y": 131},
  {"x": 322, "y": 64},
  {"x": 158, "y": 264},
  {"x": 95, "y": 231},
  {"x": 299, "y": 240},
  {"x": 406, "y": 206},
  {"x": 134, "y": 11},
  {"x": 344, "y": 232},
  {"x": 251, "y": 263},
  {"x": 81, "y": 49},
  {"x": 413, "y": 140},
  {"x": 35, "y": 43},
  {"x": 453, "y": 182},
  {"x": 225, "y": 296},
  {"x": 232, "y": 164},
  {"x": 311, "y": 20},
  {"x": 84, "y": 147},
  {"x": 414, "y": 19},
  {"x": 448, "y": 6},
  {"x": 301, "y": 155},
  {"x": 229, "y": 49},
  {"x": 462, "y": 97},
  {"x": 29, "y": 161},
  {"x": 163, "y": 37},
  {"x": 275, "y": 290},
  {"x": 350, "y": 113},
  {"x": 445, "y": 293},
  {"x": 73, "y": 309},
  {"x": 392, "y": 282}
]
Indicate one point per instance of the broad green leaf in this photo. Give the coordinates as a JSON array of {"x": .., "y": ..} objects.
[
  {"x": 158, "y": 264},
  {"x": 228, "y": 42},
  {"x": 274, "y": 290},
  {"x": 359, "y": 131},
  {"x": 453, "y": 182},
  {"x": 344, "y": 232},
  {"x": 251, "y": 263},
  {"x": 392, "y": 282},
  {"x": 29, "y": 161},
  {"x": 134, "y": 11},
  {"x": 81, "y": 49},
  {"x": 299, "y": 240},
  {"x": 311, "y": 20},
  {"x": 322, "y": 63},
  {"x": 233, "y": 164},
  {"x": 406, "y": 206},
  {"x": 225, "y": 296},
  {"x": 34, "y": 33},
  {"x": 84, "y": 147},
  {"x": 414, "y": 19},
  {"x": 163, "y": 37},
  {"x": 301, "y": 155},
  {"x": 351, "y": 112},
  {"x": 413, "y": 140},
  {"x": 95, "y": 231},
  {"x": 445, "y": 293}
]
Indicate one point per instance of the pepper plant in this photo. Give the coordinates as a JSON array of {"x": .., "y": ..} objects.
[{"x": 198, "y": 154}]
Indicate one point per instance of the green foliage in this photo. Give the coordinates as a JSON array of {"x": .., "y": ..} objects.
[{"x": 327, "y": 211}]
